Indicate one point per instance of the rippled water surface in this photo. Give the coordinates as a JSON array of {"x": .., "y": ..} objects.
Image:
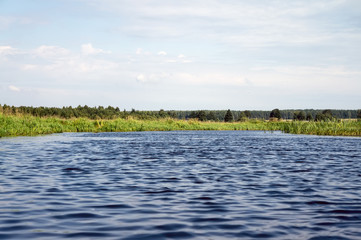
[{"x": 180, "y": 185}]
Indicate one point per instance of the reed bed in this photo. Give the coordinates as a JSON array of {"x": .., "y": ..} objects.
[
  {"x": 11, "y": 125},
  {"x": 332, "y": 128}
]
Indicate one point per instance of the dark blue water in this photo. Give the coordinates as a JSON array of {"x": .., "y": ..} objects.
[{"x": 180, "y": 185}]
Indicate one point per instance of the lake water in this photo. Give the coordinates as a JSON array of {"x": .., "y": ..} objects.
[{"x": 180, "y": 185}]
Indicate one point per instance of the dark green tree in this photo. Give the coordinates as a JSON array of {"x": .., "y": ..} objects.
[
  {"x": 201, "y": 115},
  {"x": 6, "y": 109},
  {"x": 229, "y": 116},
  {"x": 309, "y": 117},
  {"x": 193, "y": 114},
  {"x": 328, "y": 113},
  {"x": 248, "y": 114},
  {"x": 359, "y": 114},
  {"x": 320, "y": 117},
  {"x": 299, "y": 115},
  {"x": 172, "y": 114},
  {"x": 162, "y": 113},
  {"x": 275, "y": 113},
  {"x": 325, "y": 115},
  {"x": 211, "y": 116},
  {"x": 242, "y": 117},
  {"x": 13, "y": 110}
]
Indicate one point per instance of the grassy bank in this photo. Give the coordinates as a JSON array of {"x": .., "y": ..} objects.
[
  {"x": 336, "y": 128},
  {"x": 11, "y": 125}
]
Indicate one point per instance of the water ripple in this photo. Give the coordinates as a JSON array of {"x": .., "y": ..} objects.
[{"x": 180, "y": 185}]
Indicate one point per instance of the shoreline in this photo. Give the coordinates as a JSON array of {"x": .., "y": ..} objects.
[{"x": 11, "y": 126}]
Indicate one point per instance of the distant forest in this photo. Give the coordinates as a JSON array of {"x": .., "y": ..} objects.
[{"x": 203, "y": 115}]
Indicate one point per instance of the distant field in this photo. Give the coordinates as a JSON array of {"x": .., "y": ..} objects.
[{"x": 11, "y": 125}]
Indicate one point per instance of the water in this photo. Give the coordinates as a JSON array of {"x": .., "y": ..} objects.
[{"x": 180, "y": 185}]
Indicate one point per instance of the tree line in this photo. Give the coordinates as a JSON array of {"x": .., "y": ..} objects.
[{"x": 110, "y": 112}]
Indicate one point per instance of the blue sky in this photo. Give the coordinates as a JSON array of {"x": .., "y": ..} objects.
[{"x": 181, "y": 55}]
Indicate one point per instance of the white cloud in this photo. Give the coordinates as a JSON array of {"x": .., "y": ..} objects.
[
  {"x": 162, "y": 53},
  {"x": 7, "y": 50},
  {"x": 153, "y": 78},
  {"x": 63, "y": 68},
  {"x": 296, "y": 79},
  {"x": 14, "y": 88},
  {"x": 307, "y": 79},
  {"x": 55, "y": 63},
  {"x": 240, "y": 23},
  {"x": 46, "y": 51},
  {"x": 146, "y": 56},
  {"x": 141, "y": 52},
  {"x": 61, "y": 63},
  {"x": 187, "y": 61},
  {"x": 29, "y": 66},
  {"x": 214, "y": 78},
  {"x": 141, "y": 78},
  {"x": 88, "y": 49},
  {"x": 179, "y": 59},
  {"x": 298, "y": 45},
  {"x": 138, "y": 51}
]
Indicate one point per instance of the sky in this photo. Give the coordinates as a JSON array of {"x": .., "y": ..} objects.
[{"x": 181, "y": 54}]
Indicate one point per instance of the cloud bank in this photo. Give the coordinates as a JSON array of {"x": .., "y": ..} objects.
[{"x": 152, "y": 54}]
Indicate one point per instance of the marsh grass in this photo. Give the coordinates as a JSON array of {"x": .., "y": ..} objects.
[
  {"x": 332, "y": 128},
  {"x": 24, "y": 125}
]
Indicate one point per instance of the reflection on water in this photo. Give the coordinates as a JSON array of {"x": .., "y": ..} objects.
[{"x": 180, "y": 185}]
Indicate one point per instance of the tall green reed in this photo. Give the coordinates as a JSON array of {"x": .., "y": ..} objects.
[{"x": 23, "y": 125}]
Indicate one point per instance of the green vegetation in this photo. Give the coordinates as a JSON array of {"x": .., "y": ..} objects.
[
  {"x": 29, "y": 121},
  {"x": 275, "y": 114},
  {"x": 333, "y": 128},
  {"x": 301, "y": 115},
  {"x": 27, "y": 125},
  {"x": 202, "y": 115},
  {"x": 229, "y": 116},
  {"x": 325, "y": 115},
  {"x": 359, "y": 114}
]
